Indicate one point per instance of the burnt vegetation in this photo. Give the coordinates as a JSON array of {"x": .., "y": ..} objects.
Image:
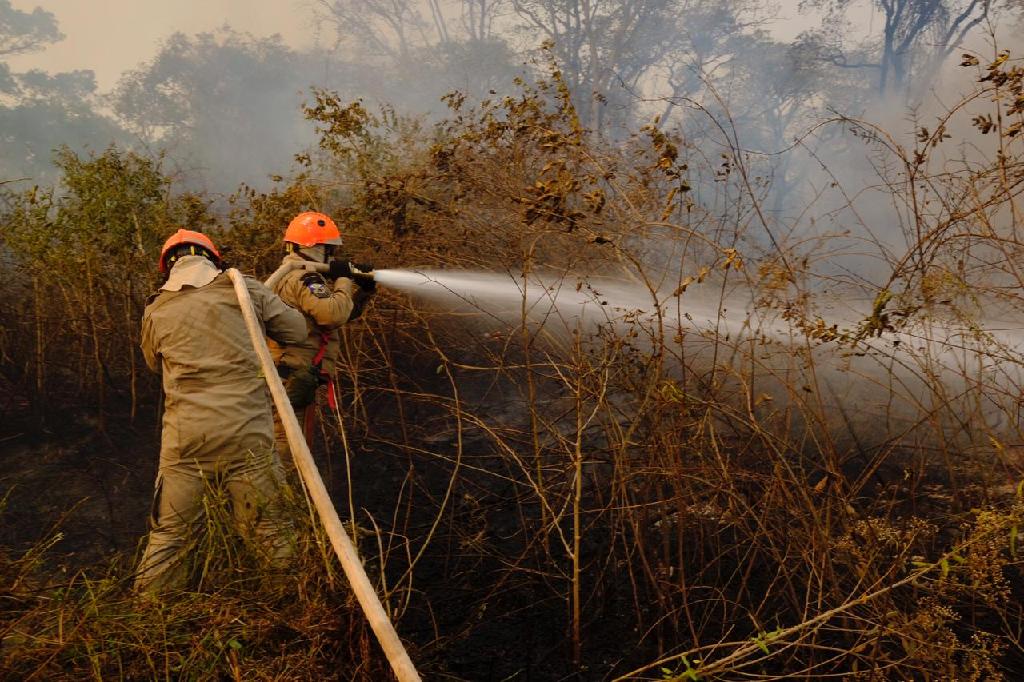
[{"x": 776, "y": 491}]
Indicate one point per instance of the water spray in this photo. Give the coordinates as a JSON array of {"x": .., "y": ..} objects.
[
  {"x": 873, "y": 387},
  {"x": 504, "y": 297},
  {"x": 882, "y": 382}
]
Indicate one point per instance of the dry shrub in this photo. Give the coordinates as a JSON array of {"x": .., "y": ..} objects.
[
  {"x": 650, "y": 496},
  {"x": 695, "y": 492},
  {"x": 78, "y": 267}
]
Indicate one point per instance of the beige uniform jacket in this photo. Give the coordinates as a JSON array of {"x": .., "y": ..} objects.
[
  {"x": 217, "y": 404},
  {"x": 325, "y": 306}
]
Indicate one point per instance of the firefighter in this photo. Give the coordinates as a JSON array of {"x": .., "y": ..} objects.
[
  {"x": 327, "y": 300},
  {"x": 217, "y": 422}
]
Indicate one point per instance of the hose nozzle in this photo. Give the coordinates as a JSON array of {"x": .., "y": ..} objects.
[
  {"x": 344, "y": 268},
  {"x": 361, "y": 274}
]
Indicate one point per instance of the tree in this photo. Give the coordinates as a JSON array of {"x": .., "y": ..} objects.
[
  {"x": 32, "y": 129},
  {"x": 225, "y": 104},
  {"x": 41, "y": 110},
  {"x": 603, "y": 47},
  {"x": 418, "y": 54},
  {"x": 614, "y": 53},
  {"x": 392, "y": 29},
  {"x": 22, "y": 32},
  {"x": 776, "y": 98},
  {"x": 478, "y": 17},
  {"x": 914, "y": 39},
  {"x": 717, "y": 41}
]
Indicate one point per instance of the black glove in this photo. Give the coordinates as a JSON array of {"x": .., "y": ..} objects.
[
  {"x": 365, "y": 279},
  {"x": 339, "y": 268},
  {"x": 360, "y": 273}
]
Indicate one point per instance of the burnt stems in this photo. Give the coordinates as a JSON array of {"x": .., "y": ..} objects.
[{"x": 750, "y": 462}]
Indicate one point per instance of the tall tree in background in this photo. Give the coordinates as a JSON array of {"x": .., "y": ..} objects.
[
  {"x": 479, "y": 16},
  {"x": 419, "y": 50},
  {"x": 225, "y": 104},
  {"x": 389, "y": 29},
  {"x": 51, "y": 110},
  {"x": 613, "y": 53},
  {"x": 42, "y": 111},
  {"x": 777, "y": 96},
  {"x": 26, "y": 31},
  {"x": 22, "y": 32},
  {"x": 604, "y": 48},
  {"x": 716, "y": 38},
  {"x": 397, "y": 29},
  {"x": 910, "y": 44}
]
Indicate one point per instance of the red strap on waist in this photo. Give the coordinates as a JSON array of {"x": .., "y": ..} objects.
[{"x": 325, "y": 338}]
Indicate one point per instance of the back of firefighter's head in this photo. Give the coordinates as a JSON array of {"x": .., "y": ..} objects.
[
  {"x": 312, "y": 235},
  {"x": 187, "y": 243}
]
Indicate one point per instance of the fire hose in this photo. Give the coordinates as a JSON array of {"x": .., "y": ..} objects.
[
  {"x": 382, "y": 627},
  {"x": 354, "y": 271}
]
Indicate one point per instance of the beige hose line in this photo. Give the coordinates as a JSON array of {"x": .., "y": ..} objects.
[
  {"x": 288, "y": 266},
  {"x": 343, "y": 547}
]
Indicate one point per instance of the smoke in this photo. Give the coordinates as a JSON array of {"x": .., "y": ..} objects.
[
  {"x": 224, "y": 97},
  {"x": 226, "y": 105}
]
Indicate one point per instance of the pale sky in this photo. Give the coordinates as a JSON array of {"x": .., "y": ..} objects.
[{"x": 110, "y": 36}]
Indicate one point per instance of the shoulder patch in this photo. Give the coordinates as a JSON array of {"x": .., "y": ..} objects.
[{"x": 316, "y": 284}]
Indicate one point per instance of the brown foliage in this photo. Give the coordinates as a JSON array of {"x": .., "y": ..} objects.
[{"x": 654, "y": 498}]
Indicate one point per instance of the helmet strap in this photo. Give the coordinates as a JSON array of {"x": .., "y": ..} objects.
[{"x": 189, "y": 250}]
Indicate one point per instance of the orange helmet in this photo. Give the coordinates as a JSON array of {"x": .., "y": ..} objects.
[
  {"x": 312, "y": 228},
  {"x": 183, "y": 236}
]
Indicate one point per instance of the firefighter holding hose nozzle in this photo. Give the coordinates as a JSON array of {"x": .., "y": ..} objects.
[{"x": 329, "y": 292}]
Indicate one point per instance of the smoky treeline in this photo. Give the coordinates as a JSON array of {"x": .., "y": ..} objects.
[
  {"x": 226, "y": 106},
  {"x": 792, "y": 450}
]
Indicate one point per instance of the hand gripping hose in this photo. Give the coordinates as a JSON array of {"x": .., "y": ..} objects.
[{"x": 343, "y": 547}]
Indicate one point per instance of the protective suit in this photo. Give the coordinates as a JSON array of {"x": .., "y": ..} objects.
[
  {"x": 325, "y": 305},
  {"x": 217, "y": 423},
  {"x": 306, "y": 364}
]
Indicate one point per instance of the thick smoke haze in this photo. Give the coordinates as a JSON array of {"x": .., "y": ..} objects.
[
  {"x": 219, "y": 86},
  {"x": 93, "y": 28}
]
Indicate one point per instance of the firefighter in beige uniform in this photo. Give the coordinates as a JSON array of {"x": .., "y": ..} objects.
[
  {"x": 327, "y": 300},
  {"x": 217, "y": 422}
]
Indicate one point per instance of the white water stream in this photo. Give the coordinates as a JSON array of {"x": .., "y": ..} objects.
[
  {"x": 901, "y": 378},
  {"x": 564, "y": 303}
]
